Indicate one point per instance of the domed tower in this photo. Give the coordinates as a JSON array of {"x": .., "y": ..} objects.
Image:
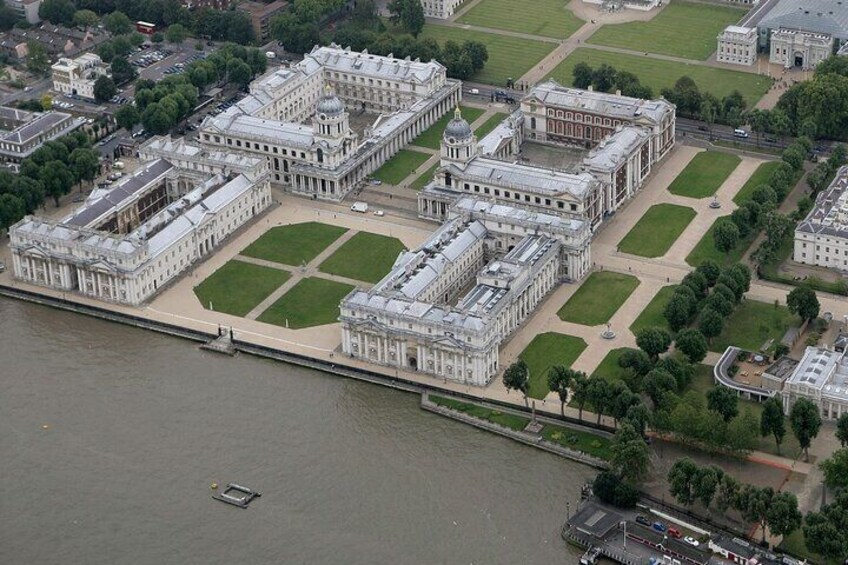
[
  {"x": 459, "y": 144},
  {"x": 331, "y": 119}
]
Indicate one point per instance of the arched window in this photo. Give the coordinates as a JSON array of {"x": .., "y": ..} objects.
[{"x": 532, "y": 123}]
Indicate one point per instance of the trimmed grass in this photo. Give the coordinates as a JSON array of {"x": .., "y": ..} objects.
[
  {"x": 364, "y": 257},
  {"x": 659, "y": 74},
  {"x": 655, "y": 233},
  {"x": 598, "y": 298},
  {"x": 425, "y": 177},
  {"x": 400, "y": 166},
  {"x": 545, "y": 351},
  {"x": 508, "y": 56},
  {"x": 681, "y": 29},
  {"x": 311, "y": 302},
  {"x": 490, "y": 124},
  {"x": 752, "y": 324},
  {"x": 760, "y": 176},
  {"x": 609, "y": 369},
  {"x": 294, "y": 244},
  {"x": 652, "y": 315},
  {"x": 796, "y": 545},
  {"x": 549, "y": 18},
  {"x": 432, "y": 136},
  {"x": 705, "y": 249},
  {"x": 511, "y": 421},
  {"x": 704, "y": 174},
  {"x": 238, "y": 287}
]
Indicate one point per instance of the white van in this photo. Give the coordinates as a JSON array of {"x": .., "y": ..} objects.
[
  {"x": 270, "y": 54},
  {"x": 740, "y": 133},
  {"x": 118, "y": 165},
  {"x": 360, "y": 207}
]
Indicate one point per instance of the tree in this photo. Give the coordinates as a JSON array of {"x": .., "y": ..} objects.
[
  {"x": 599, "y": 394},
  {"x": 638, "y": 416},
  {"x": 580, "y": 392},
  {"x": 681, "y": 480},
  {"x": 636, "y": 360},
  {"x": 802, "y": 301},
  {"x": 56, "y": 178},
  {"x": 85, "y": 163},
  {"x": 239, "y": 72},
  {"x": 725, "y": 235},
  {"x": 621, "y": 399},
  {"x": 478, "y": 52},
  {"x": 726, "y": 494},
  {"x": 12, "y": 209},
  {"x": 753, "y": 503},
  {"x": 824, "y": 531},
  {"x": 697, "y": 282},
  {"x": 706, "y": 483},
  {"x": 57, "y": 11},
  {"x": 85, "y": 19},
  {"x": 37, "y": 61},
  {"x": 764, "y": 195},
  {"x": 842, "y": 429},
  {"x": 720, "y": 304},
  {"x": 816, "y": 179},
  {"x": 653, "y": 341},
  {"x": 612, "y": 490},
  {"x": 104, "y": 88},
  {"x": 711, "y": 270},
  {"x": 772, "y": 420},
  {"x": 835, "y": 470},
  {"x": 741, "y": 435},
  {"x": 806, "y": 422},
  {"x": 677, "y": 368},
  {"x": 692, "y": 344},
  {"x": 559, "y": 381},
  {"x": 657, "y": 383},
  {"x": 516, "y": 378},
  {"x": 742, "y": 275},
  {"x": 794, "y": 156},
  {"x": 176, "y": 33},
  {"x": 8, "y": 17},
  {"x": 407, "y": 13},
  {"x": 630, "y": 456},
  {"x": 711, "y": 324},
  {"x": 724, "y": 401},
  {"x": 157, "y": 37},
  {"x": 759, "y": 120},
  {"x": 122, "y": 71},
  {"x": 582, "y": 76},
  {"x": 127, "y": 117},
  {"x": 118, "y": 23},
  {"x": 783, "y": 515},
  {"x": 678, "y": 311}
]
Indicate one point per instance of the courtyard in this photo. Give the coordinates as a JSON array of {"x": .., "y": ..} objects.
[
  {"x": 652, "y": 316},
  {"x": 598, "y": 298},
  {"x": 706, "y": 249},
  {"x": 656, "y": 231},
  {"x": 238, "y": 287},
  {"x": 545, "y": 351},
  {"x": 704, "y": 174},
  {"x": 365, "y": 257},
  {"x": 311, "y": 302},
  {"x": 294, "y": 244},
  {"x": 404, "y": 163}
]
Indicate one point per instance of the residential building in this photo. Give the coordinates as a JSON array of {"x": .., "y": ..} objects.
[
  {"x": 30, "y": 130},
  {"x": 77, "y": 76},
  {"x": 737, "y": 45},
  {"x": 821, "y": 377},
  {"x": 821, "y": 239},
  {"x": 260, "y": 14},
  {"x": 210, "y": 4},
  {"x": 56, "y": 40},
  {"x": 26, "y": 9},
  {"x": 126, "y": 243}
]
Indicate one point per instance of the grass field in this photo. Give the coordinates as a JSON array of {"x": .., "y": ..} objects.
[
  {"x": 490, "y": 124},
  {"x": 705, "y": 249},
  {"x": 760, "y": 176},
  {"x": 609, "y": 369},
  {"x": 364, "y": 257},
  {"x": 311, "y": 302},
  {"x": 508, "y": 56},
  {"x": 432, "y": 136},
  {"x": 425, "y": 177},
  {"x": 659, "y": 74},
  {"x": 681, "y": 29},
  {"x": 545, "y": 351},
  {"x": 400, "y": 166},
  {"x": 704, "y": 174},
  {"x": 549, "y": 18},
  {"x": 238, "y": 287},
  {"x": 511, "y": 421},
  {"x": 652, "y": 315},
  {"x": 752, "y": 324},
  {"x": 294, "y": 244},
  {"x": 598, "y": 298},
  {"x": 656, "y": 231}
]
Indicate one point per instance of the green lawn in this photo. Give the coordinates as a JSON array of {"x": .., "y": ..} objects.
[
  {"x": 294, "y": 244},
  {"x": 545, "y": 351},
  {"x": 598, "y": 298},
  {"x": 658, "y": 74},
  {"x": 510, "y": 421},
  {"x": 609, "y": 369},
  {"x": 311, "y": 302},
  {"x": 425, "y": 178},
  {"x": 400, "y": 166},
  {"x": 238, "y": 287},
  {"x": 549, "y": 18},
  {"x": 490, "y": 124},
  {"x": 752, "y": 324},
  {"x": 432, "y": 136},
  {"x": 760, "y": 176},
  {"x": 508, "y": 56},
  {"x": 704, "y": 174},
  {"x": 364, "y": 257},
  {"x": 681, "y": 29},
  {"x": 652, "y": 315},
  {"x": 656, "y": 231},
  {"x": 705, "y": 249},
  {"x": 796, "y": 545}
]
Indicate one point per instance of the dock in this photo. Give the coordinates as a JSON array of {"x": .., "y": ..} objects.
[{"x": 221, "y": 344}]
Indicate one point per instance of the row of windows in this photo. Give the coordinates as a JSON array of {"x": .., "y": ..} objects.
[{"x": 517, "y": 196}]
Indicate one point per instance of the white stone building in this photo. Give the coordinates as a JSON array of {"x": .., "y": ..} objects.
[
  {"x": 797, "y": 48},
  {"x": 802, "y": 33},
  {"x": 22, "y": 133},
  {"x": 822, "y": 377},
  {"x": 77, "y": 76},
  {"x": 446, "y": 308},
  {"x": 737, "y": 45},
  {"x": 126, "y": 243},
  {"x": 440, "y": 9},
  {"x": 613, "y": 5},
  {"x": 322, "y": 157},
  {"x": 627, "y": 137},
  {"x": 821, "y": 239}
]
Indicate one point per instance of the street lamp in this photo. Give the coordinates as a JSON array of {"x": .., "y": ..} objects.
[{"x": 624, "y": 523}]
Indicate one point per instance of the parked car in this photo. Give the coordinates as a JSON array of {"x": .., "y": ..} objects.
[
  {"x": 379, "y": 213},
  {"x": 659, "y": 526},
  {"x": 642, "y": 520},
  {"x": 675, "y": 533},
  {"x": 691, "y": 541}
]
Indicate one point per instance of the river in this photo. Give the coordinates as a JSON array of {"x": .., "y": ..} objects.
[{"x": 111, "y": 436}]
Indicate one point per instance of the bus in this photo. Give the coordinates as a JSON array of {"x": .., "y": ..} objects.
[{"x": 146, "y": 28}]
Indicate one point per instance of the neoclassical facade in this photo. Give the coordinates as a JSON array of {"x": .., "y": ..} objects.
[
  {"x": 77, "y": 76},
  {"x": 797, "y": 48},
  {"x": 446, "y": 308},
  {"x": 440, "y": 9},
  {"x": 298, "y": 118},
  {"x": 802, "y": 33},
  {"x": 126, "y": 243},
  {"x": 737, "y": 45},
  {"x": 821, "y": 238},
  {"x": 822, "y": 377}
]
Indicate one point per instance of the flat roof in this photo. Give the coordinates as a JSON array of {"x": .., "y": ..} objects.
[{"x": 595, "y": 520}]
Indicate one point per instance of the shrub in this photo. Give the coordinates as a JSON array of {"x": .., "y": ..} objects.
[{"x": 610, "y": 489}]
